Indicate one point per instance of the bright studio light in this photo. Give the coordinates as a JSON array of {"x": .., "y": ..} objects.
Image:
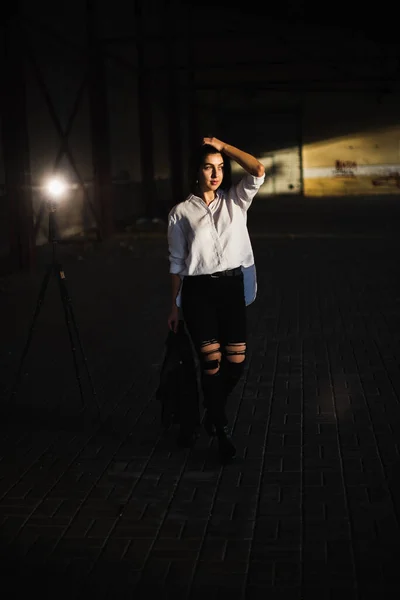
[{"x": 55, "y": 188}]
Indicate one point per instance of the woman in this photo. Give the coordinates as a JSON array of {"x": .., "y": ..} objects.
[{"x": 213, "y": 274}]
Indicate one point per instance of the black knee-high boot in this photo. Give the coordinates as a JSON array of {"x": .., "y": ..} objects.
[
  {"x": 231, "y": 373},
  {"x": 216, "y": 389},
  {"x": 215, "y": 420},
  {"x": 214, "y": 398}
]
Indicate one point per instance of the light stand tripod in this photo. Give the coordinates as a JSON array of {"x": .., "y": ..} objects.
[{"x": 57, "y": 270}]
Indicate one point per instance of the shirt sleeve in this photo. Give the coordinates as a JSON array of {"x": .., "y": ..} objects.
[
  {"x": 244, "y": 191},
  {"x": 177, "y": 246}
]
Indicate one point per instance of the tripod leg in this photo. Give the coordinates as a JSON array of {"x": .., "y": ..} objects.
[
  {"x": 39, "y": 305},
  {"x": 70, "y": 319},
  {"x": 60, "y": 274}
]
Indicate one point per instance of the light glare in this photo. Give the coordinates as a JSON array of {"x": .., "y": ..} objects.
[{"x": 56, "y": 188}]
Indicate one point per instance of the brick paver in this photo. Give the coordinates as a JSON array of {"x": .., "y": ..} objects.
[{"x": 113, "y": 509}]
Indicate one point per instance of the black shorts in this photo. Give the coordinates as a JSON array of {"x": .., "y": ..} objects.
[{"x": 214, "y": 309}]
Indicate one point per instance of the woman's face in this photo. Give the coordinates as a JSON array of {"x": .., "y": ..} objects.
[{"x": 211, "y": 172}]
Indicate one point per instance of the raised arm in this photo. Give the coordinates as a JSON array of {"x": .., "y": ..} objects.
[{"x": 247, "y": 161}]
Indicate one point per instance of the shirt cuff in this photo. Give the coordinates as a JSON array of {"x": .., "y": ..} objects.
[
  {"x": 257, "y": 181},
  {"x": 176, "y": 269}
]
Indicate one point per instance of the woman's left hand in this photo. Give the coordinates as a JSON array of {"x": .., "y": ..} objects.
[{"x": 214, "y": 142}]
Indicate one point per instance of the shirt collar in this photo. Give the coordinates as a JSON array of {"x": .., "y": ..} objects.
[{"x": 198, "y": 200}]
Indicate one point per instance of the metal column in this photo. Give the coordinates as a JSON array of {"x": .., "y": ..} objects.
[
  {"x": 16, "y": 145},
  {"x": 175, "y": 129},
  {"x": 145, "y": 117},
  {"x": 100, "y": 133}
]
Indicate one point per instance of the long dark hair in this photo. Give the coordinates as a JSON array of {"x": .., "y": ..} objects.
[{"x": 197, "y": 162}]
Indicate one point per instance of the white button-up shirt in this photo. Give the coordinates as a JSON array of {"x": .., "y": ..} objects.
[{"x": 205, "y": 239}]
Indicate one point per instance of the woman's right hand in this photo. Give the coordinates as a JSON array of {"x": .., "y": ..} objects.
[{"x": 173, "y": 319}]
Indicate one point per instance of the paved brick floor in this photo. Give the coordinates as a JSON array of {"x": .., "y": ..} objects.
[{"x": 113, "y": 509}]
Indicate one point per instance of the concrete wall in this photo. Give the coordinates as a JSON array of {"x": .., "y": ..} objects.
[{"x": 352, "y": 145}]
